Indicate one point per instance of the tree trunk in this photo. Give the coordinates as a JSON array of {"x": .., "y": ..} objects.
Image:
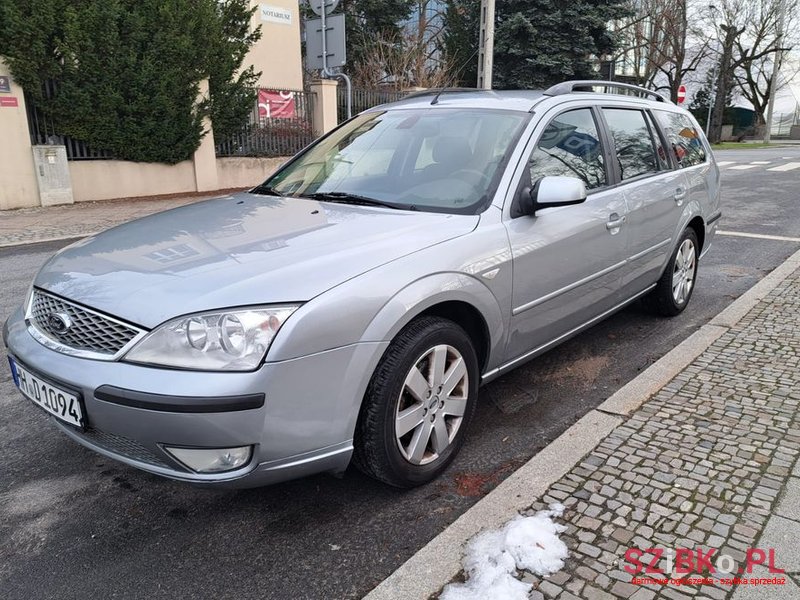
[{"x": 724, "y": 83}]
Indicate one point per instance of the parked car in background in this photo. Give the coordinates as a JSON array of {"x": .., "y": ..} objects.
[{"x": 348, "y": 309}]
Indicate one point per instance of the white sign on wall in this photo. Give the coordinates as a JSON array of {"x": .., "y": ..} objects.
[{"x": 276, "y": 14}]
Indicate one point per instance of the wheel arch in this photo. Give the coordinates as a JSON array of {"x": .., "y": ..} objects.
[
  {"x": 470, "y": 319},
  {"x": 699, "y": 227},
  {"x": 455, "y": 296}
]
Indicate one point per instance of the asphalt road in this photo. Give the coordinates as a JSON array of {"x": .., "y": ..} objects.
[{"x": 75, "y": 525}]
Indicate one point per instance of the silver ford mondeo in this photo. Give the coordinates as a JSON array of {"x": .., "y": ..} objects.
[{"x": 348, "y": 309}]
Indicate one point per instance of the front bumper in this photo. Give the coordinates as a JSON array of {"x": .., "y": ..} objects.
[{"x": 303, "y": 424}]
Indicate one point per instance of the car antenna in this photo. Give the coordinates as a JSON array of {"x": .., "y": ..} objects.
[{"x": 452, "y": 79}]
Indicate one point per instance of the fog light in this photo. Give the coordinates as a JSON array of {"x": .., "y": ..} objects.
[{"x": 212, "y": 460}]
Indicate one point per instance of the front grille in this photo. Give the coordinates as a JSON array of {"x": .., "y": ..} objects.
[
  {"x": 87, "y": 331},
  {"x": 125, "y": 447}
]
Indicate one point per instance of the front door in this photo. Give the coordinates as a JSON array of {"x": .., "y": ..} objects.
[{"x": 567, "y": 260}]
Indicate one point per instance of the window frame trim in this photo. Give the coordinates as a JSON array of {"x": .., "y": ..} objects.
[{"x": 662, "y": 137}]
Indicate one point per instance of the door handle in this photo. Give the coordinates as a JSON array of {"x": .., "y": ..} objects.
[
  {"x": 679, "y": 195},
  {"x": 615, "y": 221}
]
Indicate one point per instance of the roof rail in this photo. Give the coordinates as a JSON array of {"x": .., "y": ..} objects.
[{"x": 568, "y": 87}]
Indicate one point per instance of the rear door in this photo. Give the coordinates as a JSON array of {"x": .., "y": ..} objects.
[
  {"x": 566, "y": 260},
  {"x": 654, "y": 191},
  {"x": 692, "y": 156}
]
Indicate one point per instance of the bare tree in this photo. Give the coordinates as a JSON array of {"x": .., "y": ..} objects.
[
  {"x": 636, "y": 42},
  {"x": 748, "y": 35},
  {"x": 408, "y": 56},
  {"x": 754, "y": 75},
  {"x": 424, "y": 35},
  {"x": 397, "y": 60},
  {"x": 661, "y": 44}
]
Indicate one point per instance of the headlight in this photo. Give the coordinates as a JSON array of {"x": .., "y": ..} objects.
[{"x": 232, "y": 340}]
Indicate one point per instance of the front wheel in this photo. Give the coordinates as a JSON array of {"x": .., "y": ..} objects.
[
  {"x": 674, "y": 289},
  {"x": 418, "y": 404}
]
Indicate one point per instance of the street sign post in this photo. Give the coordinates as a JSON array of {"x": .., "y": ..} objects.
[
  {"x": 328, "y": 5},
  {"x": 681, "y": 94},
  {"x": 325, "y": 49},
  {"x": 325, "y": 44}
]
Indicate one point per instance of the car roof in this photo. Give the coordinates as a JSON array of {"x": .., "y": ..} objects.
[{"x": 517, "y": 100}]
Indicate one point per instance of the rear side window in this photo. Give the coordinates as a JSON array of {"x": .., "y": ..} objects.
[
  {"x": 570, "y": 146},
  {"x": 633, "y": 142},
  {"x": 683, "y": 136}
]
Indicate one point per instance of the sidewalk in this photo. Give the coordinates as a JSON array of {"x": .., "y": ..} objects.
[
  {"x": 700, "y": 452},
  {"x": 44, "y": 224}
]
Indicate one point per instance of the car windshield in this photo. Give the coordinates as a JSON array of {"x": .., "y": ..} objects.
[{"x": 438, "y": 160}]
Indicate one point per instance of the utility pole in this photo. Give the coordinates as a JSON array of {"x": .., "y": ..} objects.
[
  {"x": 773, "y": 87},
  {"x": 711, "y": 95},
  {"x": 712, "y": 89},
  {"x": 486, "y": 45}
]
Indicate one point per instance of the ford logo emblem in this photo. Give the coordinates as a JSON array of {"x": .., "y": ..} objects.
[{"x": 59, "y": 322}]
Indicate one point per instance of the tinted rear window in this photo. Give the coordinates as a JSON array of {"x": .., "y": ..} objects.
[{"x": 686, "y": 140}]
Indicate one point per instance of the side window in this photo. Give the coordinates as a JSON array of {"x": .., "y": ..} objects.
[
  {"x": 683, "y": 136},
  {"x": 633, "y": 142},
  {"x": 570, "y": 146}
]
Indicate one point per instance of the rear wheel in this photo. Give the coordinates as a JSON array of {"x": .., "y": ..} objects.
[
  {"x": 674, "y": 289},
  {"x": 418, "y": 405}
]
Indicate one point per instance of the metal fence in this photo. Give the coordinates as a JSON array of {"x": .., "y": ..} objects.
[
  {"x": 44, "y": 132},
  {"x": 364, "y": 98},
  {"x": 782, "y": 123},
  {"x": 283, "y": 134}
]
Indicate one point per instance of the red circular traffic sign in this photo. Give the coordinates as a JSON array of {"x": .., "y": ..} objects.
[{"x": 681, "y": 94}]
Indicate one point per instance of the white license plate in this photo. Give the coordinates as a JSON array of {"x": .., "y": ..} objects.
[{"x": 59, "y": 403}]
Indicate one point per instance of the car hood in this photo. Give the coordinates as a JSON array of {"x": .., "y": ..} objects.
[{"x": 238, "y": 250}]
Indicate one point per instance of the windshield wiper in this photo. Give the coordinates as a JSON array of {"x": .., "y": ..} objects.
[
  {"x": 348, "y": 198},
  {"x": 265, "y": 190}
]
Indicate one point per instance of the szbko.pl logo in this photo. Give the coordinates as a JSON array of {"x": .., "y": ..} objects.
[{"x": 688, "y": 560}]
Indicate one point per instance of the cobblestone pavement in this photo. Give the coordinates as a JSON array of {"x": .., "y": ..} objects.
[
  {"x": 706, "y": 463},
  {"x": 42, "y": 224}
]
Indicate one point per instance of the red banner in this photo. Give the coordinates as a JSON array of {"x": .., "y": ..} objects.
[{"x": 275, "y": 105}]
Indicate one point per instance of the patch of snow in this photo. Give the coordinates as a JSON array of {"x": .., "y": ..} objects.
[{"x": 492, "y": 558}]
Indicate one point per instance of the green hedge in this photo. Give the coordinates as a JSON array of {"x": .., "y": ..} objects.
[{"x": 125, "y": 73}]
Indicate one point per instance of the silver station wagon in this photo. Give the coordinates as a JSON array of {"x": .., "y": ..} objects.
[{"x": 348, "y": 309}]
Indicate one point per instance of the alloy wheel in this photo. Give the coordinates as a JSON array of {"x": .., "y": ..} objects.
[
  {"x": 432, "y": 404},
  {"x": 684, "y": 272}
]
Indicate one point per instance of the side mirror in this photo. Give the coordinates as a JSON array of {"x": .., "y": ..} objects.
[{"x": 549, "y": 192}]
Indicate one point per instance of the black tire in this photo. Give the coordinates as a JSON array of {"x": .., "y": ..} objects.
[
  {"x": 662, "y": 300},
  {"x": 378, "y": 450}
]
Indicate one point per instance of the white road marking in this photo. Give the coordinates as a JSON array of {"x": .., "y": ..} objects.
[
  {"x": 787, "y": 167},
  {"x": 743, "y": 167},
  {"x": 725, "y": 163},
  {"x": 760, "y": 162},
  {"x": 760, "y": 236}
]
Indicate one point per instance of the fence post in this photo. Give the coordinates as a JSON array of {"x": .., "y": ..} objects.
[
  {"x": 19, "y": 188},
  {"x": 325, "y": 101},
  {"x": 205, "y": 157}
]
